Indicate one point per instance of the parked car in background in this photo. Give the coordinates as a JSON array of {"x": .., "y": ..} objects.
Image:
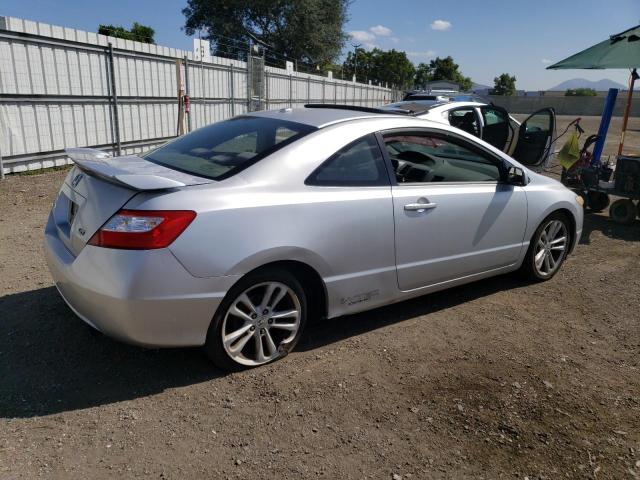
[
  {"x": 233, "y": 235},
  {"x": 530, "y": 142}
]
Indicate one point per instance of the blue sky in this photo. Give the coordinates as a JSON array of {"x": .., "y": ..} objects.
[{"x": 485, "y": 38}]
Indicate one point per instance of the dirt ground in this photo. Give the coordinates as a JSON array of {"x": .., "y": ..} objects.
[{"x": 496, "y": 379}]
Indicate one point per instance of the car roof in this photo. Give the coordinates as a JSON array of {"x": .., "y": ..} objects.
[
  {"x": 444, "y": 107},
  {"x": 319, "y": 117},
  {"x": 463, "y": 104}
]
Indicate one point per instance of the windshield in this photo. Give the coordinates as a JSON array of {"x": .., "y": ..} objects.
[{"x": 222, "y": 149}]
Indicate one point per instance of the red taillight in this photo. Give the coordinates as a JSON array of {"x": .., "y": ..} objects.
[{"x": 142, "y": 229}]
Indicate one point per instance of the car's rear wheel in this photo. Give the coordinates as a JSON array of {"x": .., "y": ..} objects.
[
  {"x": 548, "y": 248},
  {"x": 260, "y": 320}
]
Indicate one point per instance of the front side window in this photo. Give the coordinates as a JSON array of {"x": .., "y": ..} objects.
[
  {"x": 222, "y": 149},
  {"x": 430, "y": 158},
  {"x": 358, "y": 164}
]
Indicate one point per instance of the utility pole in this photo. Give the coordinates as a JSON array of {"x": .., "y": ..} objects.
[{"x": 355, "y": 60}]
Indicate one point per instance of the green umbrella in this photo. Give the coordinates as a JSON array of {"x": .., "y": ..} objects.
[{"x": 619, "y": 51}]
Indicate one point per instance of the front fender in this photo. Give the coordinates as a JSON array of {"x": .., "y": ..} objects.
[{"x": 539, "y": 210}]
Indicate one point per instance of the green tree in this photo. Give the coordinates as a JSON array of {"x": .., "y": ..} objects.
[
  {"x": 392, "y": 67},
  {"x": 447, "y": 69},
  {"x": 309, "y": 31},
  {"x": 505, "y": 84},
  {"x": 138, "y": 33},
  {"x": 360, "y": 64},
  {"x": 422, "y": 76},
  {"x": 580, "y": 92}
]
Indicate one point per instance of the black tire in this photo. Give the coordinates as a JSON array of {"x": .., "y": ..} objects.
[
  {"x": 214, "y": 347},
  {"x": 623, "y": 211},
  {"x": 528, "y": 269},
  {"x": 597, "y": 201}
]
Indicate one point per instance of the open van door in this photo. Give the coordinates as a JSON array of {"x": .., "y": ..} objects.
[{"x": 534, "y": 138}]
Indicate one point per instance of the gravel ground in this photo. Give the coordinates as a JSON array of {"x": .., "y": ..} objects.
[{"x": 496, "y": 379}]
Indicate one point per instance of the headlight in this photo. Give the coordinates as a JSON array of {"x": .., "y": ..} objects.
[{"x": 580, "y": 200}]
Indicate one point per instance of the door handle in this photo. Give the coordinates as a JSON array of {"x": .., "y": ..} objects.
[{"x": 420, "y": 207}]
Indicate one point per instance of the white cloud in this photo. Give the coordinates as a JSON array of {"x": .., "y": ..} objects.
[
  {"x": 395, "y": 39},
  {"x": 362, "y": 36},
  {"x": 546, "y": 61},
  {"x": 425, "y": 54},
  {"x": 441, "y": 25},
  {"x": 381, "y": 31}
]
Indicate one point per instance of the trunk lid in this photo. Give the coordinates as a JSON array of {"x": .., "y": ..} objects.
[{"x": 99, "y": 185}]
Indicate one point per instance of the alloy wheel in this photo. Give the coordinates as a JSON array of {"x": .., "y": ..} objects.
[
  {"x": 260, "y": 322},
  {"x": 550, "y": 248}
]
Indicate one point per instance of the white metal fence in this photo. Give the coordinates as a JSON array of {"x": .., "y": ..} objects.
[{"x": 61, "y": 87}]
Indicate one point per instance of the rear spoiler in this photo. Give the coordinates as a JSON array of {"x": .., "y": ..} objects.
[{"x": 130, "y": 171}]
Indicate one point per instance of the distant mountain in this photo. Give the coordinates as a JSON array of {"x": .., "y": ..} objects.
[{"x": 599, "y": 86}]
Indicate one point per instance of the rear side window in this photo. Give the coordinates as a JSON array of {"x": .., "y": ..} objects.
[
  {"x": 358, "y": 164},
  {"x": 222, "y": 149}
]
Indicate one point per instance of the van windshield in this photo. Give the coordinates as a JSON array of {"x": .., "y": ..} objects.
[{"x": 222, "y": 149}]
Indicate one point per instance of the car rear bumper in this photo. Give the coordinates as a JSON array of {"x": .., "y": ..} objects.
[{"x": 143, "y": 297}]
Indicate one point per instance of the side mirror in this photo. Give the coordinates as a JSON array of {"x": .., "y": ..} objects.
[{"x": 516, "y": 176}]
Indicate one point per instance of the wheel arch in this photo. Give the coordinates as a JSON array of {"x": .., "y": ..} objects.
[
  {"x": 572, "y": 224},
  {"x": 308, "y": 276}
]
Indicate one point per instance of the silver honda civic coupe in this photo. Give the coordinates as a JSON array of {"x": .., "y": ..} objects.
[{"x": 232, "y": 236}]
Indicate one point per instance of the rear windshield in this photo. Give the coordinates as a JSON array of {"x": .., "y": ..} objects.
[{"x": 222, "y": 149}]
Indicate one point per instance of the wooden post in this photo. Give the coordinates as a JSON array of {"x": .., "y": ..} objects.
[
  {"x": 627, "y": 109},
  {"x": 181, "y": 128},
  {"x": 186, "y": 90}
]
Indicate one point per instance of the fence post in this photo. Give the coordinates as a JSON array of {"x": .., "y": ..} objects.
[
  {"x": 232, "y": 98},
  {"x": 249, "y": 80},
  {"x": 1, "y": 167},
  {"x": 290, "y": 90},
  {"x": 308, "y": 89},
  {"x": 266, "y": 88},
  {"x": 114, "y": 101},
  {"x": 323, "y": 85},
  {"x": 186, "y": 90}
]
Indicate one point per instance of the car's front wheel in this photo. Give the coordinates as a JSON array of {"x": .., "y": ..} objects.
[
  {"x": 548, "y": 248},
  {"x": 260, "y": 320}
]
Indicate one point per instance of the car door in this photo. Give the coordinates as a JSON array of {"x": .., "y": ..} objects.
[
  {"x": 352, "y": 226},
  {"x": 533, "y": 146},
  {"x": 453, "y": 215},
  {"x": 496, "y": 127}
]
